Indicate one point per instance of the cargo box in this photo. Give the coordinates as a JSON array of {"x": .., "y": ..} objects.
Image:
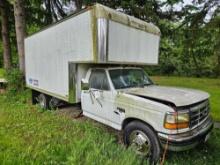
[{"x": 96, "y": 35}]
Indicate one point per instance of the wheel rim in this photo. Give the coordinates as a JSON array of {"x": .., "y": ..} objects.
[
  {"x": 52, "y": 104},
  {"x": 41, "y": 101},
  {"x": 140, "y": 143}
]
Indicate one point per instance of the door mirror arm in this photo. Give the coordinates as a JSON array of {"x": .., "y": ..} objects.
[{"x": 84, "y": 84}]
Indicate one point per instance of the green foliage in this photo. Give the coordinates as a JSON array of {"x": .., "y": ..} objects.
[
  {"x": 2, "y": 73},
  {"x": 212, "y": 86},
  {"x": 15, "y": 81},
  {"x": 1, "y": 55},
  {"x": 32, "y": 29}
]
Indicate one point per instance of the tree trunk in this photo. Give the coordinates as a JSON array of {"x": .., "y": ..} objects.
[
  {"x": 218, "y": 55},
  {"x": 78, "y": 4},
  {"x": 4, "y": 7},
  {"x": 20, "y": 31},
  {"x": 49, "y": 15}
]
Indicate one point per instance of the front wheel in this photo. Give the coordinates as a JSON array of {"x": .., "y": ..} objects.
[{"x": 142, "y": 139}]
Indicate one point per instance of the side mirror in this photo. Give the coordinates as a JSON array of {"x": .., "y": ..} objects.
[{"x": 84, "y": 84}]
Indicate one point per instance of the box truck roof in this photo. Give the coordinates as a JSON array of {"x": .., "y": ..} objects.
[
  {"x": 101, "y": 11},
  {"x": 110, "y": 14}
]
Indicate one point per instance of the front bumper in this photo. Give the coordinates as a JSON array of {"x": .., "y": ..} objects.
[{"x": 187, "y": 140}]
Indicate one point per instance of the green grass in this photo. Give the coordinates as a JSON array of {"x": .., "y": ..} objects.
[
  {"x": 2, "y": 72},
  {"x": 29, "y": 135},
  {"x": 212, "y": 86}
]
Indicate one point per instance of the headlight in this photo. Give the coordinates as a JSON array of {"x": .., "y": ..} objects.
[{"x": 176, "y": 120}]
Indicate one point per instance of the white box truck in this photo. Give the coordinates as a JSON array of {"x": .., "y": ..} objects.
[{"x": 95, "y": 58}]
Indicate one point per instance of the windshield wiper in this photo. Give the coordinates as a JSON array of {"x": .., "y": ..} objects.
[
  {"x": 148, "y": 84},
  {"x": 142, "y": 85},
  {"x": 128, "y": 86}
]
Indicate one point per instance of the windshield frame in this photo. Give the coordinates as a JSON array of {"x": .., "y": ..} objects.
[{"x": 128, "y": 87}]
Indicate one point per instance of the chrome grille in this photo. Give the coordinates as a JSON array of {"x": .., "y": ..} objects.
[{"x": 199, "y": 113}]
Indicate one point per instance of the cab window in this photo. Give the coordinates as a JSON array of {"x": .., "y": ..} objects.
[{"x": 98, "y": 80}]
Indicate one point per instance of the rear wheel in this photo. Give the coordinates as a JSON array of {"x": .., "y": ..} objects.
[
  {"x": 43, "y": 101},
  {"x": 142, "y": 139},
  {"x": 53, "y": 103}
]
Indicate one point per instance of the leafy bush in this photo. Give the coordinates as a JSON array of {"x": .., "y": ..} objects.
[{"x": 15, "y": 81}]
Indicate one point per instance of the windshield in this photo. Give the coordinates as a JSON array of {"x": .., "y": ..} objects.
[{"x": 128, "y": 78}]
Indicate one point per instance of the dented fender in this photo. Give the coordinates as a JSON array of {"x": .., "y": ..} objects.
[{"x": 148, "y": 111}]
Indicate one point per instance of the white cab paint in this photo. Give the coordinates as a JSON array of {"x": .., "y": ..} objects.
[
  {"x": 100, "y": 105},
  {"x": 103, "y": 106}
]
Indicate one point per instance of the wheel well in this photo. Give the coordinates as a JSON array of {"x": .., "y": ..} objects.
[
  {"x": 35, "y": 94},
  {"x": 128, "y": 120}
]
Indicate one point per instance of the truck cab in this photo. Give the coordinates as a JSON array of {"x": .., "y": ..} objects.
[{"x": 150, "y": 116}]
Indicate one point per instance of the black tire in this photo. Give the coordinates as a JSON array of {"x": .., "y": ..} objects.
[
  {"x": 35, "y": 95},
  {"x": 53, "y": 103},
  {"x": 43, "y": 101},
  {"x": 136, "y": 129}
]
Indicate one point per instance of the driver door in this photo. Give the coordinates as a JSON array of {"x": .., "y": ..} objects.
[{"x": 98, "y": 101}]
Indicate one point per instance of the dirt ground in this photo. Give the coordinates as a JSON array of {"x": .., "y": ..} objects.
[{"x": 75, "y": 113}]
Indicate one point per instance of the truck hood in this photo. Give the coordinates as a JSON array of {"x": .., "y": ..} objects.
[{"x": 177, "y": 96}]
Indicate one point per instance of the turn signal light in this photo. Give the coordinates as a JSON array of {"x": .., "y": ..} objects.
[
  {"x": 176, "y": 125},
  {"x": 176, "y": 120}
]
